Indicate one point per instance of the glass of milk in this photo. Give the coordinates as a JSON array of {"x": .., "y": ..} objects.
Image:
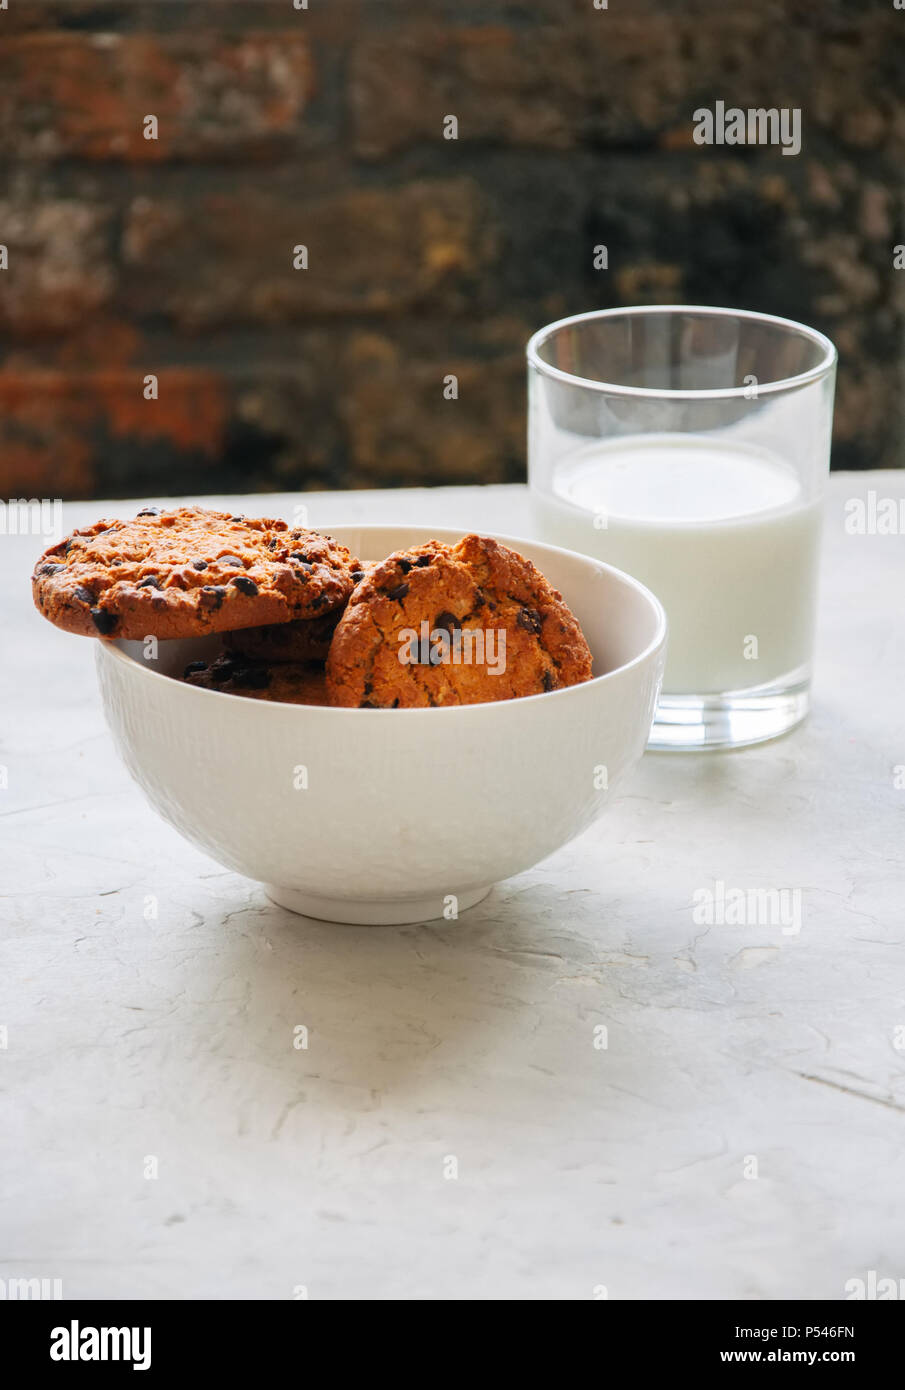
[{"x": 690, "y": 447}]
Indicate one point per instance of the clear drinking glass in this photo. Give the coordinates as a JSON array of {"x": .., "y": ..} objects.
[{"x": 690, "y": 447}]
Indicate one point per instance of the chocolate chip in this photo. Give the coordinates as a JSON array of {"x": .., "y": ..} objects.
[
  {"x": 51, "y": 569},
  {"x": 149, "y": 511},
  {"x": 252, "y": 678},
  {"x": 368, "y": 704},
  {"x": 200, "y": 564},
  {"x": 192, "y": 668},
  {"x": 230, "y": 560},
  {"x": 104, "y": 622},
  {"x": 297, "y": 555},
  {"x": 530, "y": 619},
  {"x": 423, "y": 560},
  {"x": 400, "y": 590},
  {"x": 404, "y": 565},
  {"x": 223, "y": 672},
  {"x": 83, "y": 595},
  {"x": 237, "y": 518},
  {"x": 449, "y": 621},
  {"x": 549, "y": 681},
  {"x": 149, "y": 582},
  {"x": 245, "y": 585},
  {"x": 211, "y": 596},
  {"x": 357, "y": 576}
]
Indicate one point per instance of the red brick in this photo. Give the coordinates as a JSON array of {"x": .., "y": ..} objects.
[
  {"x": 59, "y": 429},
  {"x": 86, "y": 96},
  {"x": 228, "y": 258}
]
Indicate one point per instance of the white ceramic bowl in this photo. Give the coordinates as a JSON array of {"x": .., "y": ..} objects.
[{"x": 380, "y": 816}]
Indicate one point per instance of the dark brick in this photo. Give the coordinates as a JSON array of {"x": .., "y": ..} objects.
[
  {"x": 228, "y": 258},
  {"x": 501, "y": 86},
  {"x": 60, "y": 264},
  {"x": 403, "y": 432},
  {"x": 867, "y": 429},
  {"x": 64, "y": 14},
  {"x": 86, "y": 95},
  {"x": 622, "y": 80},
  {"x": 748, "y": 234},
  {"x": 284, "y": 432}
]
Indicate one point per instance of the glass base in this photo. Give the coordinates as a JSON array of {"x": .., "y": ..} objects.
[{"x": 688, "y": 723}]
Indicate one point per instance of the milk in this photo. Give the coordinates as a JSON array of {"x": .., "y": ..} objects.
[{"x": 720, "y": 532}]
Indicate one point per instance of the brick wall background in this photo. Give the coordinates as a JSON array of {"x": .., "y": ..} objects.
[{"x": 427, "y": 256}]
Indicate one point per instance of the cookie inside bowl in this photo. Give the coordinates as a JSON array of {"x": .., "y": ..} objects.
[
  {"x": 430, "y": 623},
  {"x": 617, "y": 615}
]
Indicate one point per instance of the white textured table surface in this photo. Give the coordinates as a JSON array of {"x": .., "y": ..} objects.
[{"x": 629, "y": 1167}]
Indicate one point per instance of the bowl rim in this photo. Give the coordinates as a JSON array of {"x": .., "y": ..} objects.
[{"x": 110, "y": 647}]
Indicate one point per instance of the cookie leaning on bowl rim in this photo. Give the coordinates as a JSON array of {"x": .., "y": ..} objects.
[{"x": 187, "y": 572}]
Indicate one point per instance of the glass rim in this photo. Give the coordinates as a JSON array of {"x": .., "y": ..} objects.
[{"x": 721, "y": 393}]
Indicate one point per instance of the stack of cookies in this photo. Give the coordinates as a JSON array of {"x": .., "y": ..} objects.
[{"x": 306, "y": 622}]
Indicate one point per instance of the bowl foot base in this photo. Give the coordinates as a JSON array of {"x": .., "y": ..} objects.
[{"x": 388, "y": 913}]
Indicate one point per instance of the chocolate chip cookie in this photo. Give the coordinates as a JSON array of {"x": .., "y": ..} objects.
[
  {"x": 189, "y": 571},
  {"x": 291, "y": 683},
  {"x": 454, "y": 625}
]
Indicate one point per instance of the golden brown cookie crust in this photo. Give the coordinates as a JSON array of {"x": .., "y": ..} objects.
[
  {"x": 476, "y": 584},
  {"x": 189, "y": 571},
  {"x": 296, "y": 683}
]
